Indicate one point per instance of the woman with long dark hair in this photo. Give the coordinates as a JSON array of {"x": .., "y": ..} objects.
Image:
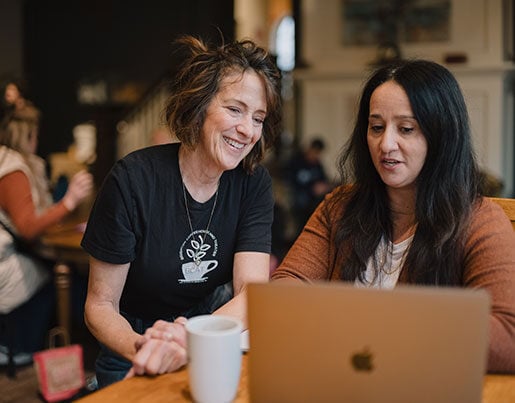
[{"x": 409, "y": 209}]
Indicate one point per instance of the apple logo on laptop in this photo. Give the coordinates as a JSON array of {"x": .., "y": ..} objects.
[{"x": 362, "y": 360}]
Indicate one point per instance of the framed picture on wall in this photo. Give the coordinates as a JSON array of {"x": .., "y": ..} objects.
[
  {"x": 347, "y": 35},
  {"x": 372, "y": 22}
]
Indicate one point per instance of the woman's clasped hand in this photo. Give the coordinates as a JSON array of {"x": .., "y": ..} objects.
[{"x": 161, "y": 349}]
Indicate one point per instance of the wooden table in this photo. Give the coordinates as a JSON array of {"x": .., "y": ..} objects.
[
  {"x": 174, "y": 388},
  {"x": 62, "y": 243}
]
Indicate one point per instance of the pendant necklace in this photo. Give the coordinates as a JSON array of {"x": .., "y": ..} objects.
[{"x": 200, "y": 250}]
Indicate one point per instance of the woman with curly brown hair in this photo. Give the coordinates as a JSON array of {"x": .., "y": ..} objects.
[{"x": 174, "y": 224}]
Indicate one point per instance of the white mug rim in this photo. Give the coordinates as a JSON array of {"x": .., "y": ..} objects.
[{"x": 193, "y": 323}]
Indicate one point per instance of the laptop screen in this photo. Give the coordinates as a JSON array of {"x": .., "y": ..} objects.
[{"x": 333, "y": 342}]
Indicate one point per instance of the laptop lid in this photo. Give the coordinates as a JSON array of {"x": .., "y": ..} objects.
[{"x": 332, "y": 342}]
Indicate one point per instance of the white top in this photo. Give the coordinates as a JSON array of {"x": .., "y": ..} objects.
[
  {"x": 390, "y": 258},
  {"x": 20, "y": 276}
]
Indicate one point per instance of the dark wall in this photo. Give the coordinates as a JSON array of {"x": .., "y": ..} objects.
[
  {"x": 69, "y": 41},
  {"x": 10, "y": 38}
]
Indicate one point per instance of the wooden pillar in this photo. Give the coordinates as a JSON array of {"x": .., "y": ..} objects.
[{"x": 62, "y": 284}]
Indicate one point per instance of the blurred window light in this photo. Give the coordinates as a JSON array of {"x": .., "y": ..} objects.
[
  {"x": 92, "y": 93},
  {"x": 285, "y": 43}
]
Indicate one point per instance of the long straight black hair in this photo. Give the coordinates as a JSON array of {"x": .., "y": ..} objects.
[{"x": 447, "y": 185}]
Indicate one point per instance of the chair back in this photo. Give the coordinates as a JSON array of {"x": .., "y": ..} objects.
[{"x": 508, "y": 205}]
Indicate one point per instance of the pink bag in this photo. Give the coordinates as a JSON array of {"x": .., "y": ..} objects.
[{"x": 60, "y": 370}]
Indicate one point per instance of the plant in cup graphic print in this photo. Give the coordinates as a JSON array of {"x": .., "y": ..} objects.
[{"x": 197, "y": 249}]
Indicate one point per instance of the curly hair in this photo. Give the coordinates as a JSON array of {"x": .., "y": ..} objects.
[{"x": 199, "y": 79}]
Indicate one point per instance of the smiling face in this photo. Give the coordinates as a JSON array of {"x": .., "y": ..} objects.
[
  {"x": 396, "y": 143},
  {"x": 234, "y": 121}
]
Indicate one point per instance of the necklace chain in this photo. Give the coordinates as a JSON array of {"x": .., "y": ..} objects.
[
  {"x": 387, "y": 255},
  {"x": 202, "y": 238}
]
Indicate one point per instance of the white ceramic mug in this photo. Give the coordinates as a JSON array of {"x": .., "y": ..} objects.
[{"x": 214, "y": 357}]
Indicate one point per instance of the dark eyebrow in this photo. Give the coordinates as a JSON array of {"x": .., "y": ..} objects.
[{"x": 375, "y": 115}]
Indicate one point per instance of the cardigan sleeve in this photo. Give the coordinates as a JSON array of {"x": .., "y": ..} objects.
[
  {"x": 16, "y": 201},
  {"x": 490, "y": 264},
  {"x": 311, "y": 256}
]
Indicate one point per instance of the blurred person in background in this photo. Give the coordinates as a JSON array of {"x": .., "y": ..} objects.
[
  {"x": 16, "y": 105},
  {"x": 308, "y": 182},
  {"x": 26, "y": 211}
]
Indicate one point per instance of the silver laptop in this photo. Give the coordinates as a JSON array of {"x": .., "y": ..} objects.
[{"x": 331, "y": 342}]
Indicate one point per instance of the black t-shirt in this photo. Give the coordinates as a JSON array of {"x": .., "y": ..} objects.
[{"x": 140, "y": 217}]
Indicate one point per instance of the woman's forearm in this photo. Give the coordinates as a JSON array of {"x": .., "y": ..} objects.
[
  {"x": 236, "y": 307},
  {"x": 249, "y": 267},
  {"x": 111, "y": 329}
]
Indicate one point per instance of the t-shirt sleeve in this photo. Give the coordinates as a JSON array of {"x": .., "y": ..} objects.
[
  {"x": 256, "y": 214},
  {"x": 110, "y": 235}
]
